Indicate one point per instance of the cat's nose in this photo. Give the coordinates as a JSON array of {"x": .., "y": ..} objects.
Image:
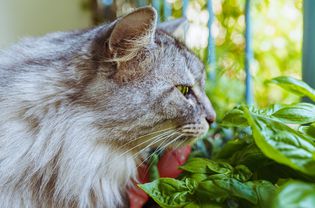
[
  {"x": 211, "y": 118},
  {"x": 209, "y": 112}
]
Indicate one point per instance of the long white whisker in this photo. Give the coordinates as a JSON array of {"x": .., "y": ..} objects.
[
  {"x": 157, "y": 136},
  {"x": 180, "y": 143},
  {"x": 132, "y": 140},
  {"x": 156, "y": 140},
  {"x": 173, "y": 140},
  {"x": 156, "y": 150},
  {"x": 149, "y": 140},
  {"x": 160, "y": 147}
]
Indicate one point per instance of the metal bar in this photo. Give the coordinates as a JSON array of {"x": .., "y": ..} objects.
[
  {"x": 248, "y": 55},
  {"x": 167, "y": 9},
  {"x": 211, "y": 45},
  {"x": 308, "y": 59},
  {"x": 141, "y": 3},
  {"x": 185, "y": 6},
  {"x": 156, "y": 4}
]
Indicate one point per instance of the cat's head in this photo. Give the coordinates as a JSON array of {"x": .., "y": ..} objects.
[{"x": 148, "y": 88}]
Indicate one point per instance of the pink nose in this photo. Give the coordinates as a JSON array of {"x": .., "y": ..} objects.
[{"x": 210, "y": 117}]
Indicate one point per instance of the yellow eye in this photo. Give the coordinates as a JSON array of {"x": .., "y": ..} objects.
[{"x": 183, "y": 89}]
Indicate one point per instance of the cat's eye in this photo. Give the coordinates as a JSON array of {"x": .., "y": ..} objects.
[{"x": 185, "y": 90}]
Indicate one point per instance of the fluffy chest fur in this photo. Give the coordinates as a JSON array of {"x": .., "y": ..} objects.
[{"x": 78, "y": 109}]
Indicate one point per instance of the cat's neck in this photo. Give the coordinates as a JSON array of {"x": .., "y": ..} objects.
[{"x": 73, "y": 172}]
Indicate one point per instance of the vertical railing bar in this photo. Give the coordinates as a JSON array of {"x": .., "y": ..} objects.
[
  {"x": 167, "y": 9},
  {"x": 185, "y": 6},
  {"x": 308, "y": 48},
  {"x": 141, "y": 3},
  {"x": 211, "y": 45},
  {"x": 156, "y": 4},
  {"x": 248, "y": 54}
]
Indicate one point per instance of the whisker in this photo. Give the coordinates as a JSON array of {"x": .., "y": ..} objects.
[
  {"x": 160, "y": 136},
  {"x": 157, "y": 149},
  {"x": 148, "y": 140},
  {"x": 173, "y": 140},
  {"x": 156, "y": 141},
  {"x": 129, "y": 150},
  {"x": 135, "y": 139},
  {"x": 192, "y": 126},
  {"x": 180, "y": 143}
]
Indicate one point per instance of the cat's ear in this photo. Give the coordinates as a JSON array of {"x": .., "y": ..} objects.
[
  {"x": 176, "y": 27},
  {"x": 132, "y": 32}
]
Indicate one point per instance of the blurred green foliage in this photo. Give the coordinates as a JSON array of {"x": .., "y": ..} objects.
[{"x": 277, "y": 41}]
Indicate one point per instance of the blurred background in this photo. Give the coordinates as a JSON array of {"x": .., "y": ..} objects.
[{"x": 271, "y": 30}]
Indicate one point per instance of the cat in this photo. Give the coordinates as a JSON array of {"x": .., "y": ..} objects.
[{"x": 78, "y": 109}]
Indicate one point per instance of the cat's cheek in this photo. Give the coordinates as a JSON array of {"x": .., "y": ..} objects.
[{"x": 191, "y": 104}]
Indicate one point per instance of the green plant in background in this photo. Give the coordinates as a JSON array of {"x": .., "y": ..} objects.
[
  {"x": 270, "y": 162},
  {"x": 277, "y": 38}
]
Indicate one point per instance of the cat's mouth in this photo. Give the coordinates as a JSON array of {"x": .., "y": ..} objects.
[
  {"x": 194, "y": 130},
  {"x": 180, "y": 136},
  {"x": 164, "y": 136}
]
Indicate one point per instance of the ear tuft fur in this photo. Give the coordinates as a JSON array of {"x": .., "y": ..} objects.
[{"x": 132, "y": 33}]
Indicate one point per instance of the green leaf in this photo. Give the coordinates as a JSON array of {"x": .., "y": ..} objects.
[
  {"x": 300, "y": 113},
  {"x": 221, "y": 189},
  {"x": 208, "y": 190},
  {"x": 234, "y": 118},
  {"x": 202, "y": 165},
  {"x": 242, "y": 173},
  {"x": 207, "y": 205},
  {"x": 251, "y": 156},
  {"x": 238, "y": 189},
  {"x": 169, "y": 192},
  {"x": 231, "y": 147},
  {"x": 295, "y": 86},
  {"x": 264, "y": 191},
  {"x": 198, "y": 177},
  {"x": 308, "y": 130},
  {"x": 282, "y": 144},
  {"x": 295, "y": 194},
  {"x": 153, "y": 170},
  {"x": 267, "y": 112}
]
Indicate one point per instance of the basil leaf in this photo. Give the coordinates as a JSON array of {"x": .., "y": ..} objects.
[
  {"x": 231, "y": 147},
  {"x": 221, "y": 189},
  {"x": 266, "y": 112},
  {"x": 237, "y": 189},
  {"x": 198, "y": 177},
  {"x": 295, "y": 86},
  {"x": 242, "y": 173},
  {"x": 251, "y": 156},
  {"x": 208, "y": 190},
  {"x": 264, "y": 191},
  {"x": 207, "y": 205},
  {"x": 202, "y": 165},
  {"x": 169, "y": 192},
  {"x": 308, "y": 130},
  {"x": 295, "y": 194},
  {"x": 234, "y": 118},
  {"x": 282, "y": 144},
  {"x": 300, "y": 113}
]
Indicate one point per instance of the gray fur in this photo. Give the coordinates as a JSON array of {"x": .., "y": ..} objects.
[{"x": 74, "y": 111}]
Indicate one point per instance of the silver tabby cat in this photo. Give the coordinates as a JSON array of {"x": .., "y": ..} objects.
[{"x": 78, "y": 109}]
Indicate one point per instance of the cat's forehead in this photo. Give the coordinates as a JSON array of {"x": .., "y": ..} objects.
[{"x": 182, "y": 63}]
